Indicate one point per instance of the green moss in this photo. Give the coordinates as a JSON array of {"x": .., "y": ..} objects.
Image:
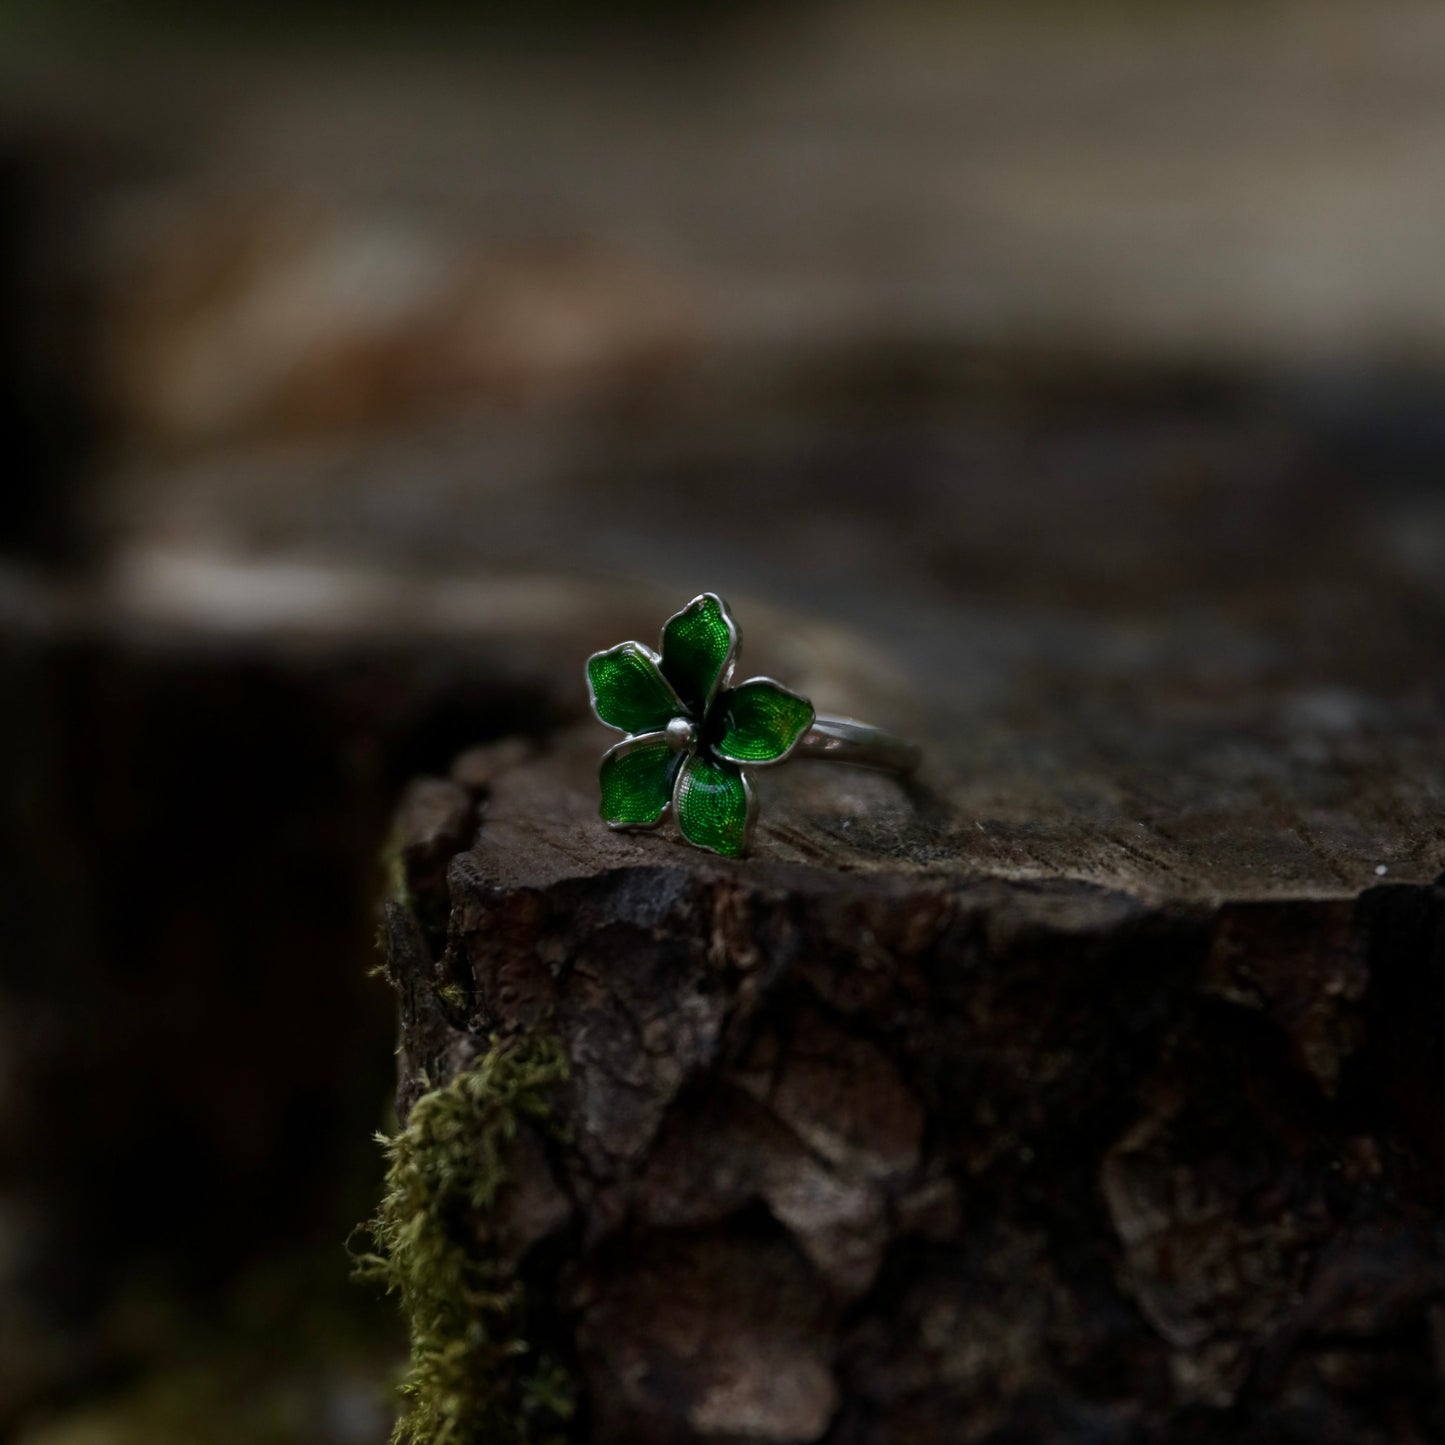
[
  {"x": 472, "y": 1377},
  {"x": 455, "y": 998},
  {"x": 394, "y": 887}
]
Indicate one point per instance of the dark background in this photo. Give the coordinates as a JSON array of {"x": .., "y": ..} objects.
[{"x": 360, "y": 374}]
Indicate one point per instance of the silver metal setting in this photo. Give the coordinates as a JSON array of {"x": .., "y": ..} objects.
[
  {"x": 845, "y": 740},
  {"x": 826, "y": 739}
]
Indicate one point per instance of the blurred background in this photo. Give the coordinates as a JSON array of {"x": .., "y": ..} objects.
[{"x": 362, "y": 367}]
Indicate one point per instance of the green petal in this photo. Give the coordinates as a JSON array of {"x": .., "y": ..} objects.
[
  {"x": 697, "y": 650},
  {"x": 628, "y": 692},
  {"x": 636, "y": 780},
  {"x": 714, "y": 805},
  {"x": 761, "y": 722}
]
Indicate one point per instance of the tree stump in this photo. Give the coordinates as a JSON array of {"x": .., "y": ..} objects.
[{"x": 939, "y": 1118}]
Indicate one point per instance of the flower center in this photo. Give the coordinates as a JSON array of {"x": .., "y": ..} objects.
[{"x": 680, "y": 734}]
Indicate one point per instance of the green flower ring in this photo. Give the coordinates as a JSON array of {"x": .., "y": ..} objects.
[{"x": 692, "y": 735}]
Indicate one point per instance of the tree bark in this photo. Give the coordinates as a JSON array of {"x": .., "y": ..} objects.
[{"x": 866, "y": 1141}]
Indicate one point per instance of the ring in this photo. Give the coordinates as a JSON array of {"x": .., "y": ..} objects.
[{"x": 692, "y": 735}]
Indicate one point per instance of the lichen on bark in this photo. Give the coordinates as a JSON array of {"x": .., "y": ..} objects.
[{"x": 473, "y": 1375}]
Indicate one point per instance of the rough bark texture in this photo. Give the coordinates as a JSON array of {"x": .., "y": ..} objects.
[{"x": 862, "y": 1144}]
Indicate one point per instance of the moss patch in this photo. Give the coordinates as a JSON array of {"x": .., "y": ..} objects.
[{"x": 473, "y": 1377}]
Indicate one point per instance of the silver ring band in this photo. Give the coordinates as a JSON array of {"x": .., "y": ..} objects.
[{"x": 845, "y": 740}]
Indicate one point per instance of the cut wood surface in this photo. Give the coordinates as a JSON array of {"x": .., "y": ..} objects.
[{"x": 1083, "y": 1088}]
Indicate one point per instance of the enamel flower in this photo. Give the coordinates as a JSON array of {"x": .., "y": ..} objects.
[{"x": 690, "y": 733}]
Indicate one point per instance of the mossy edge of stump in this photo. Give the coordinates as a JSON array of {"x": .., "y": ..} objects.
[{"x": 893, "y": 1155}]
